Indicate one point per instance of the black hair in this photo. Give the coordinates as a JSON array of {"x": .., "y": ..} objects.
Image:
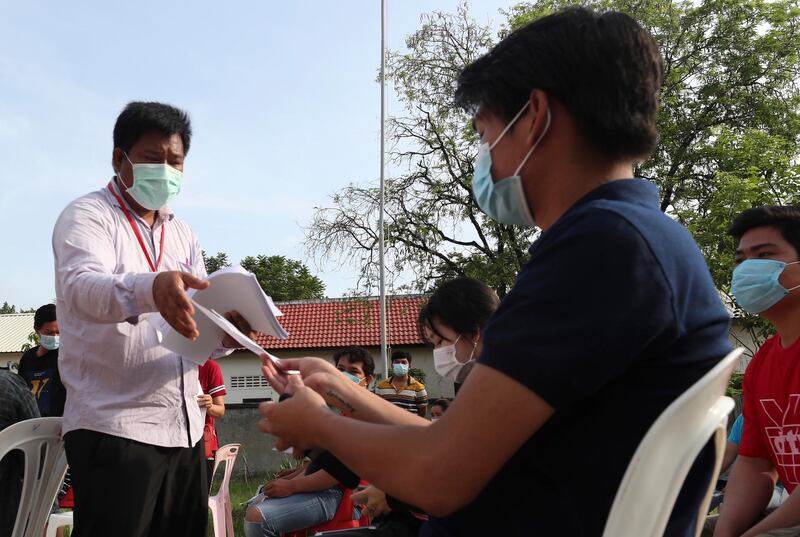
[
  {"x": 399, "y": 355},
  {"x": 357, "y": 355},
  {"x": 604, "y": 68},
  {"x": 444, "y": 403},
  {"x": 785, "y": 218},
  {"x": 140, "y": 118},
  {"x": 45, "y": 314},
  {"x": 463, "y": 304}
]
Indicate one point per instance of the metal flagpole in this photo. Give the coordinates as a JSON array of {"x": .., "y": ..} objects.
[{"x": 384, "y": 358}]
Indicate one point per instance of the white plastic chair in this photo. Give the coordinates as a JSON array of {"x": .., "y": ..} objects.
[
  {"x": 660, "y": 464},
  {"x": 39, "y": 439},
  {"x": 58, "y": 520},
  {"x": 220, "y": 503}
]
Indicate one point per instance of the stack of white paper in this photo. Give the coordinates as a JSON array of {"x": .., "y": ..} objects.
[{"x": 232, "y": 288}]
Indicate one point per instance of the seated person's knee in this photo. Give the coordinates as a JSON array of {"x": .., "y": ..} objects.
[{"x": 253, "y": 514}]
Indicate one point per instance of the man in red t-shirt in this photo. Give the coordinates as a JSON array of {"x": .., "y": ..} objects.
[
  {"x": 766, "y": 282},
  {"x": 213, "y": 400}
]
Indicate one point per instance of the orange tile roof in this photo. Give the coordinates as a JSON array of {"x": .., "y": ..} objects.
[{"x": 331, "y": 323}]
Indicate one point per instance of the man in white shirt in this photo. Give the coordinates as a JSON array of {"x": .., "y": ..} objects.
[{"x": 133, "y": 427}]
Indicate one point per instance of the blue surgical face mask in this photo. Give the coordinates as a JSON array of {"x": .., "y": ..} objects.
[
  {"x": 154, "y": 185},
  {"x": 755, "y": 284},
  {"x": 48, "y": 342},
  {"x": 503, "y": 200},
  {"x": 352, "y": 377},
  {"x": 401, "y": 370}
]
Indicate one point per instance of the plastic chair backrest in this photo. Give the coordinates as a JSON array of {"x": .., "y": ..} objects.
[
  {"x": 39, "y": 440},
  {"x": 658, "y": 469},
  {"x": 58, "y": 520},
  {"x": 220, "y": 503}
]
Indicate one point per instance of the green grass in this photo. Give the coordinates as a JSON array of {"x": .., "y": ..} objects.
[{"x": 241, "y": 490}]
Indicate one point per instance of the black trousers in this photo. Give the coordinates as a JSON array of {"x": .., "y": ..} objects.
[
  {"x": 209, "y": 472},
  {"x": 126, "y": 488}
]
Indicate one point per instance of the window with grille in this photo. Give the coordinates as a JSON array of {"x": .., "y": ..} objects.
[{"x": 249, "y": 381}]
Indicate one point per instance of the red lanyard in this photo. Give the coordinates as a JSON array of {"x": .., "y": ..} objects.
[{"x": 136, "y": 232}]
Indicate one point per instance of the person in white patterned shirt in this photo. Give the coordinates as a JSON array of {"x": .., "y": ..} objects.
[{"x": 133, "y": 428}]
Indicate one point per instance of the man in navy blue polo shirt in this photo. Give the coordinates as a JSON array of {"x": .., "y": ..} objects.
[{"x": 613, "y": 317}]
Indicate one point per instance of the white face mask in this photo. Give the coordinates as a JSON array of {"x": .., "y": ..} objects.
[{"x": 446, "y": 363}]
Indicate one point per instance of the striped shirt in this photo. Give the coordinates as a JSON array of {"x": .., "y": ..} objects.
[{"x": 411, "y": 397}]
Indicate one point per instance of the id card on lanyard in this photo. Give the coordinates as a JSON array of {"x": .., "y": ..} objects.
[{"x": 135, "y": 228}]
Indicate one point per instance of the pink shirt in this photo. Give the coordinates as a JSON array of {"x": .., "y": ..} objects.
[{"x": 119, "y": 380}]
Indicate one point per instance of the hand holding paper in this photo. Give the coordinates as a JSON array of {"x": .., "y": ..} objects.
[
  {"x": 172, "y": 301},
  {"x": 241, "y": 323},
  {"x": 231, "y": 290},
  {"x": 224, "y": 328}
]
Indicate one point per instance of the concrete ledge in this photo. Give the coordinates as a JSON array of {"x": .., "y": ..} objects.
[{"x": 239, "y": 426}]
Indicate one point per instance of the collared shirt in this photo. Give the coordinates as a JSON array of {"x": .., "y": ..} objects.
[
  {"x": 411, "y": 397},
  {"x": 119, "y": 380},
  {"x": 612, "y": 318}
]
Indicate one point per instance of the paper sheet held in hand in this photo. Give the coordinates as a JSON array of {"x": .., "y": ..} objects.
[{"x": 232, "y": 288}]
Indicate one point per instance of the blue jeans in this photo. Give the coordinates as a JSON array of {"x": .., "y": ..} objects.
[{"x": 294, "y": 512}]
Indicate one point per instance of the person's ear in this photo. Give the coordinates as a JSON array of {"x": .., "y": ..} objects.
[
  {"x": 539, "y": 114},
  {"x": 472, "y": 337},
  {"x": 117, "y": 159},
  {"x": 368, "y": 378}
]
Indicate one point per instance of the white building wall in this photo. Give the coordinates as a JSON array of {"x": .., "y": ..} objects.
[
  {"x": 245, "y": 364},
  {"x": 10, "y": 360},
  {"x": 243, "y": 367}
]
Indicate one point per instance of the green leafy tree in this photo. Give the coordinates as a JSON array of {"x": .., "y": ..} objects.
[
  {"x": 728, "y": 123},
  {"x": 433, "y": 226},
  {"x": 7, "y": 308},
  {"x": 418, "y": 374},
  {"x": 284, "y": 279},
  {"x": 33, "y": 340},
  {"x": 215, "y": 262},
  {"x": 280, "y": 277}
]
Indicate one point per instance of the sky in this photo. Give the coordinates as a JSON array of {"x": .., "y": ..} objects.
[{"x": 283, "y": 98}]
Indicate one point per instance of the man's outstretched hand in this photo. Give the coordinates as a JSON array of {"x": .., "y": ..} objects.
[{"x": 169, "y": 294}]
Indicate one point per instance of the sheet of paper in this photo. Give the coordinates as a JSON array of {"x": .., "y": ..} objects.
[
  {"x": 258, "y": 498},
  {"x": 199, "y": 350},
  {"x": 224, "y": 325},
  {"x": 232, "y": 288}
]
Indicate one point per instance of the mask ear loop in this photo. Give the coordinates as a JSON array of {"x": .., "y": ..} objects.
[
  {"x": 474, "y": 346},
  {"x": 796, "y": 286},
  {"x": 530, "y": 151},
  {"x": 119, "y": 174},
  {"x": 510, "y": 124}
]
